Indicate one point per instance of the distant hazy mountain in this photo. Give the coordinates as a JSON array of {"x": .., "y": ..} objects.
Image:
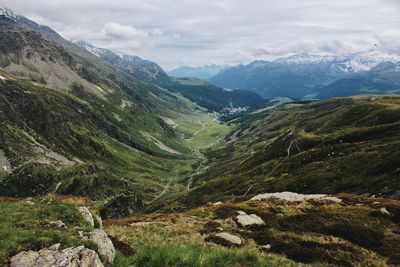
[
  {"x": 306, "y": 75},
  {"x": 204, "y": 72}
]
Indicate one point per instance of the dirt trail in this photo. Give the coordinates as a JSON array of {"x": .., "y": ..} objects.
[{"x": 203, "y": 125}]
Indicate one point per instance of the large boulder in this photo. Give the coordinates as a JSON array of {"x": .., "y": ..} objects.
[
  {"x": 295, "y": 197},
  {"x": 225, "y": 239},
  {"x": 90, "y": 258},
  {"x": 122, "y": 206},
  {"x": 104, "y": 244},
  {"x": 251, "y": 220},
  {"x": 87, "y": 215},
  {"x": 52, "y": 256}
]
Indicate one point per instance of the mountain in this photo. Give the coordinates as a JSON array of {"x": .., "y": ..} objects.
[
  {"x": 73, "y": 123},
  {"x": 342, "y": 145},
  {"x": 214, "y": 98},
  {"x": 306, "y": 75},
  {"x": 9, "y": 18},
  {"x": 350, "y": 63},
  {"x": 357, "y": 86},
  {"x": 200, "y": 92},
  {"x": 88, "y": 134},
  {"x": 143, "y": 69},
  {"x": 86, "y": 118},
  {"x": 341, "y": 155},
  {"x": 204, "y": 72}
]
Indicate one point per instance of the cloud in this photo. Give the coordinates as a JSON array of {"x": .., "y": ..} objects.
[
  {"x": 222, "y": 31},
  {"x": 118, "y": 31}
]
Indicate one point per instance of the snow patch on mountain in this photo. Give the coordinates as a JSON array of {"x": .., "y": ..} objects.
[
  {"x": 92, "y": 49},
  {"x": 304, "y": 58},
  {"x": 364, "y": 61},
  {"x": 350, "y": 63},
  {"x": 8, "y": 13}
]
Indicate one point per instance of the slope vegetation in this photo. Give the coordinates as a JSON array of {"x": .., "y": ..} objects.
[{"x": 338, "y": 145}]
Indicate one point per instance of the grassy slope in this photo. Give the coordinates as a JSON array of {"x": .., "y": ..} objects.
[
  {"x": 148, "y": 248},
  {"x": 339, "y": 145},
  {"x": 211, "y": 97},
  {"x": 313, "y": 232},
  {"x": 113, "y": 137},
  {"x": 25, "y": 225}
]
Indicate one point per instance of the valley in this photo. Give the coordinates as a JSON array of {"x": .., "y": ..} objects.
[{"x": 105, "y": 160}]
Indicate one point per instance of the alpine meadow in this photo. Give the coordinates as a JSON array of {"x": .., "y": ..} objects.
[{"x": 192, "y": 134}]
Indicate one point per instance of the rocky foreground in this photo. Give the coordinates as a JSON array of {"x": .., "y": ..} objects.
[
  {"x": 90, "y": 234},
  {"x": 344, "y": 230},
  {"x": 280, "y": 229}
]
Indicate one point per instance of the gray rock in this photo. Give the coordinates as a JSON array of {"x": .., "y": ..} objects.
[
  {"x": 266, "y": 247},
  {"x": 52, "y": 257},
  {"x": 384, "y": 211},
  {"x": 245, "y": 220},
  {"x": 225, "y": 239},
  {"x": 104, "y": 244},
  {"x": 294, "y": 197},
  {"x": 24, "y": 259},
  {"x": 58, "y": 224},
  {"x": 90, "y": 258},
  {"x": 55, "y": 247},
  {"x": 87, "y": 215}
]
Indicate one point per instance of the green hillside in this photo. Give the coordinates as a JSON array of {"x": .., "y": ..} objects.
[
  {"x": 94, "y": 147},
  {"x": 334, "y": 146},
  {"x": 107, "y": 161}
]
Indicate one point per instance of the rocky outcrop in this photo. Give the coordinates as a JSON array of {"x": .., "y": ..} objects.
[
  {"x": 104, "y": 244},
  {"x": 90, "y": 258},
  {"x": 251, "y": 220},
  {"x": 52, "y": 256},
  {"x": 293, "y": 197},
  {"x": 87, "y": 215},
  {"x": 225, "y": 239},
  {"x": 27, "y": 181},
  {"x": 100, "y": 238},
  {"x": 5, "y": 165},
  {"x": 122, "y": 206}
]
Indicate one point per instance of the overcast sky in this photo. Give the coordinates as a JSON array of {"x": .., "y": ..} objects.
[{"x": 199, "y": 32}]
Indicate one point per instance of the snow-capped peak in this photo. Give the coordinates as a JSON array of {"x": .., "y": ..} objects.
[
  {"x": 364, "y": 61},
  {"x": 8, "y": 13},
  {"x": 304, "y": 58},
  {"x": 120, "y": 54},
  {"x": 98, "y": 52},
  {"x": 351, "y": 63}
]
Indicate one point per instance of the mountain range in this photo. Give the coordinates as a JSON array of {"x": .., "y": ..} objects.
[
  {"x": 57, "y": 95},
  {"x": 314, "y": 76},
  {"x": 142, "y": 69},
  {"x": 105, "y": 160},
  {"x": 203, "y": 72}
]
